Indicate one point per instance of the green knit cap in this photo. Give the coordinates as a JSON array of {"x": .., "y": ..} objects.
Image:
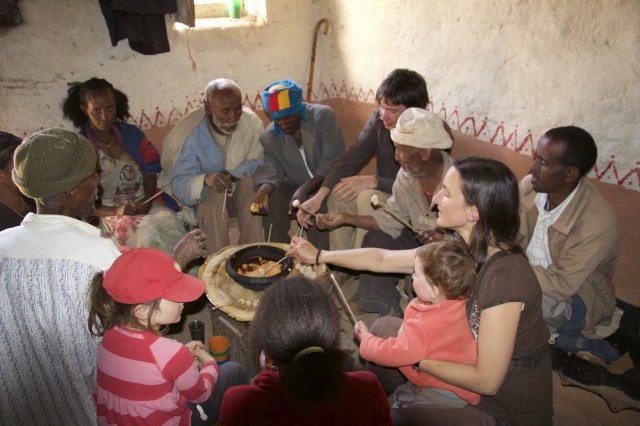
[{"x": 51, "y": 162}]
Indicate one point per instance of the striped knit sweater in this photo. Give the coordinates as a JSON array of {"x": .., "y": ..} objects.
[{"x": 144, "y": 378}]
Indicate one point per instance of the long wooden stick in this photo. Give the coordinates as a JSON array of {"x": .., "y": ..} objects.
[
  {"x": 313, "y": 54},
  {"x": 224, "y": 203},
  {"x": 153, "y": 197},
  {"x": 343, "y": 299},
  {"x": 376, "y": 203}
]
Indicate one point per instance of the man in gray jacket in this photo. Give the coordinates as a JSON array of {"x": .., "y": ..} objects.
[{"x": 299, "y": 147}]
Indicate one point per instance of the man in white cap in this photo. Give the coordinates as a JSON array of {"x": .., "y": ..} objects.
[
  {"x": 48, "y": 356},
  {"x": 420, "y": 139}
]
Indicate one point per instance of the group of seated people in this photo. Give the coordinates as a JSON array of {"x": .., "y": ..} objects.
[{"x": 493, "y": 266}]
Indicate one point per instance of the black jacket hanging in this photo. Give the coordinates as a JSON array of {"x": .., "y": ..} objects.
[{"x": 140, "y": 21}]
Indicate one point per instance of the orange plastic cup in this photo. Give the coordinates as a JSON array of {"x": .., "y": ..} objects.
[{"x": 219, "y": 348}]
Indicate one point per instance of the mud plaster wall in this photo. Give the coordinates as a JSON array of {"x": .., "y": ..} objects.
[{"x": 503, "y": 71}]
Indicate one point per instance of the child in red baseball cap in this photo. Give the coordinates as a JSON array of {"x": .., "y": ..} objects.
[{"x": 143, "y": 377}]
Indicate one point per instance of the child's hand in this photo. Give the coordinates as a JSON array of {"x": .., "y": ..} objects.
[
  {"x": 360, "y": 330},
  {"x": 202, "y": 355},
  {"x": 195, "y": 344}
]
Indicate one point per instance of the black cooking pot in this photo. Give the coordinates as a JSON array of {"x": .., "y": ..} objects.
[{"x": 252, "y": 254}]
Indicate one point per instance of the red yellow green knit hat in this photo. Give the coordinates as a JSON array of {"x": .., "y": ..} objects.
[{"x": 282, "y": 98}]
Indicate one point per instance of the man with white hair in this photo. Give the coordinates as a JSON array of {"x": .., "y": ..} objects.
[
  {"x": 211, "y": 156},
  {"x": 420, "y": 139}
]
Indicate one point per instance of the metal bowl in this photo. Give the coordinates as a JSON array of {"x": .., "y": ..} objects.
[{"x": 251, "y": 254}]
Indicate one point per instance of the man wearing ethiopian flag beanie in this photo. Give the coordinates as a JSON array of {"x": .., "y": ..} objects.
[{"x": 300, "y": 144}]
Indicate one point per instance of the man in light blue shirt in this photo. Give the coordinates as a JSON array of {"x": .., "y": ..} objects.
[{"x": 213, "y": 172}]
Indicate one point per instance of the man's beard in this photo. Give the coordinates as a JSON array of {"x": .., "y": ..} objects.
[
  {"x": 417, "y": 174},
  {"x": 221, "y": 127}
]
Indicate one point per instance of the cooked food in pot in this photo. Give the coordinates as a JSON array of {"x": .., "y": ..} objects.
[{"x": 259, "y": 268}]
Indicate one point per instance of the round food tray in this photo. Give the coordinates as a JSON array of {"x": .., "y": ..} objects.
[{"x": 230, "y": 297}]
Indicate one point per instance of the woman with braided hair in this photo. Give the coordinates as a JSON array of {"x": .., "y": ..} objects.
[{"x": 128, "y": 164}]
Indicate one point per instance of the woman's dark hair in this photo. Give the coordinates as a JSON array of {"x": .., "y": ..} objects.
[
  {"x": 106, "y": 312},
  {"x": 580, "y": 149},
  {"x": 296, "y": 314},
  {"x": 8, "y": 145},
  {"x": 404, "y": 87},
  {"x": 492, "y": 188},
  {"x": 77, "y": 96}
]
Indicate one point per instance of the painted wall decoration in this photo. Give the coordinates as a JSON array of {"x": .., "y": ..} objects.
[{"x": 502, "y": 71}]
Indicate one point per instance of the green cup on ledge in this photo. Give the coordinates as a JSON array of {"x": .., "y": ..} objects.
[{"x": 235, "y": 8}]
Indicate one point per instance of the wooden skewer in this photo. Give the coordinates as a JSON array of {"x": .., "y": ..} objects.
[
  {"x": 224, "y": 203},
  {"x": 153, "y": 197},
  {"x": 270, "y": 227},
  {"x": 263, "y": 272},
  {"x": 343, "y": 299},
  {"x": 376, "y": 203}
]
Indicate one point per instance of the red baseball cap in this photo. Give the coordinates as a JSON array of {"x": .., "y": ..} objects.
[{"x": 146, "y": 274}]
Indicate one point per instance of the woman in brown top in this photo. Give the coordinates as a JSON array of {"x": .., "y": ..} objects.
[{"x": 479, "y": 200}]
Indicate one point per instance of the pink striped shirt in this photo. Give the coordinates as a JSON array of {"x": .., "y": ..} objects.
[{"x": 144, "y": 378}]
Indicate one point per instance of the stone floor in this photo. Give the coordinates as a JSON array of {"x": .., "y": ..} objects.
[{"x": 572, "y": 406}]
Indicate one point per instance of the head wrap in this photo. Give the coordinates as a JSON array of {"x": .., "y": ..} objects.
[
  {"x": 282, "y": 98},
  {"x": 420, "y": 128},
  {"x": 51, "y": 162}
]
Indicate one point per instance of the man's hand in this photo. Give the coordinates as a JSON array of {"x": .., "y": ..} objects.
[
  {"x": 429, "y": 236},
  {"x": 143, "y": 208},
  {"x": 190, "y": 247},
  {"x": 220, "y": 182},
  {"x": 125, "y": 210},
  {"x": 301, "y": 195},
  {"x": 330, "y": 221},
  {"x": 348, "y": 188},
  {"x": 312, "y": 205},
  {"x": 260, "y": 204}
]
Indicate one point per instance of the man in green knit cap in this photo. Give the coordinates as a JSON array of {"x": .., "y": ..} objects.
[{"x": 48, "y": 356}]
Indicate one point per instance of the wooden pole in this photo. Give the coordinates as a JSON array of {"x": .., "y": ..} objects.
[{"x": 313, "y": 54}]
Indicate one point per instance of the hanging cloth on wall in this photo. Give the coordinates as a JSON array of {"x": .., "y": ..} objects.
[
  {"x": 9, "y": 13},
  {"x": 140, "y": 21}
]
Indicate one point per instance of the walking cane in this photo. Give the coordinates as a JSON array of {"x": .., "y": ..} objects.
[{"x": 313, "y": 54}]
